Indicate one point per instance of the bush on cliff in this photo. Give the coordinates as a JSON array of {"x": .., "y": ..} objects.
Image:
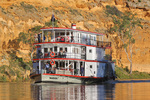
[{"x": 124, "y": 73}]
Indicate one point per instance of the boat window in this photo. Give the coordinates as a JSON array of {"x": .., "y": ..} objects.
[
  {"x": 61, "y": 49},
  {"x": 66, "y": 49},
  {"x": 51, "y": 49},
  {"x": 90, "y": 66},
  {"x": 73, "y": 50},
  {"x": 67, "y": 33},
  {"x": 90, "y": 51},
  {"x": 55, "y": 49},
  {"x": 62, "y": 34},
  {"x": 76, "y": 50},
  {"x": 45, "y": 50},
  {"x": 83, "y": 50}
]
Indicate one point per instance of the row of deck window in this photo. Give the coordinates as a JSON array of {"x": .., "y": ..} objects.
[
  {"x": 75, "y": 50},
  {"x": 62, "y": 52}
]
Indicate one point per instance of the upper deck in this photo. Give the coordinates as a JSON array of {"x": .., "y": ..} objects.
[{"x": 71, "y": 36}]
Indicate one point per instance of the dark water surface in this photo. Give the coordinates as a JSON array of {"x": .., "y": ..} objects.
[{"x": 116, "y": 90}]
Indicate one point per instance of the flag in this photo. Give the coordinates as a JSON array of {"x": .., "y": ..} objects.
[{"x": 53, "y": 18}]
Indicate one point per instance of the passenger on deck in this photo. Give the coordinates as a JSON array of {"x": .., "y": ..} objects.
[
  {"x": 40, "y": 54},
  {"x": 64, "y": 54},
  {"x": 44, "y": 38},
  {"x": 72, "y": 38},
  {"x": 70, "y": 68},
  {"x": 47, "y": 67},
  {"x": 61, "y": 54},
  {"x": 37, "y": 70},
  {"x": 49, "y": 53},
  {"x": 53, "y": 68},
  {"x": 62, "y": 39},
  {"x": 36, "y": 38},
  {"x": 82, "y": 70},
  {"x": 39, "y": 37}
]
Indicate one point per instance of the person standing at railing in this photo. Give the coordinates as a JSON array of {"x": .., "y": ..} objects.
[
  {"x": 72, "y": 38},
  {"x": 82, "y": 70},
  {"x": 44, "y": 38},
  {"x": 40, "y": 54},
  {"x": 53, "y": 68},
  {"x": 64, "y": 54},
  {"x": 62, "y": 39},
  {"x": 39, "y": 37},
  {"x": 49, "y": 53},
  {"x": 36, "y": 38},
  {"x": 61, "y": 54},
  {"x": 37, "y": 69},
  {"x": 47, "y": 67}
]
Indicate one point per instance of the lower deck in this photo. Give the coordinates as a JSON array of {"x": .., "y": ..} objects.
[{"x": 74, "y": 67}]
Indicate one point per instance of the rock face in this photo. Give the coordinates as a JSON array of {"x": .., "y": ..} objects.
[
  {"x": 20, "y": 15},
  {"x": 141, "y": 4}
]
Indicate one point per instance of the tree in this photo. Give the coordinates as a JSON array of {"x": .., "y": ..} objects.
[{"x": 124, "y": 26}]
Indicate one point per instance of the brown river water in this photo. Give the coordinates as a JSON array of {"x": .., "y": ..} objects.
[{"x": 116, "y": 90}]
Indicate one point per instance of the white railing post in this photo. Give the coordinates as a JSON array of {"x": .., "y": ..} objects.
[{"x": 39, "y": 70}]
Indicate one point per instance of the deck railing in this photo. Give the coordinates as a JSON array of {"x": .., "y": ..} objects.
[
  {"x": 83, "y": 40},
  {"x": 58, "y": 55}
]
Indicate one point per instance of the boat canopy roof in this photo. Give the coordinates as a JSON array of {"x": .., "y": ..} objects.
[{"x": 70, "y": 29}]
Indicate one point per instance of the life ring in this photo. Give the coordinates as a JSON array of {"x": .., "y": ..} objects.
[
  {"x": 52, "y": 54},
  {"x": 52, "y": 62}
]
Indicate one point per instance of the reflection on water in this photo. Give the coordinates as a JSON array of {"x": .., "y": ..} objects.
[
  {"x": 116, "y": 91},
  {"x": 72, "y": 92},
  {"x": 15, "y": 91},
  {"x": 124, "y": 90}
]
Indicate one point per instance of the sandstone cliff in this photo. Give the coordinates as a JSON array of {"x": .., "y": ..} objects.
[{"x": 20, "y": 15}]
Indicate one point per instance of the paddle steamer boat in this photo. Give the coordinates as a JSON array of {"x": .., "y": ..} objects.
[{"x": 73, "y": 56}]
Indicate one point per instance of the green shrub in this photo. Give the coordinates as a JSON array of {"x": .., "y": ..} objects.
[
  {"x": 35, "y": 29},
  {"x": 4, "y": 79},
  {"x": 28, "y": 7},
  {"x": 50, "y": 23},
  {"x": 114, "y": 60},
  {"x": 123, "y": 73},
  {"x": 126, "y": 69},
  {"x": 74, "y": 12},
  {"x": 23, "y": 37},
  {"x": 11, "y": 71},
  {"x": 46, "y": 8},
  {"x": 11, "y": 7},
  {"x": 112, "y": 11},
  {"x": 107, "y": 57},
  {"x": 2, "y": 68}
]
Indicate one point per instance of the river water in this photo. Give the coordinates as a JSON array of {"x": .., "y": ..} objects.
[{"x": 116, "y": 90}]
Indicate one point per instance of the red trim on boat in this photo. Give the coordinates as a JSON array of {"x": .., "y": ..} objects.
[
  {"x": 69, "y": 59},
  {"x": 71, "y": 75},
  {"x": 37, "y": 46},
  {"x": 71, "y": 29},
  {"x": 71, "y": 43}
]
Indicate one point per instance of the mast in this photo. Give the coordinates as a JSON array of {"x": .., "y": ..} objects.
[{"x": 53, "y": 20}]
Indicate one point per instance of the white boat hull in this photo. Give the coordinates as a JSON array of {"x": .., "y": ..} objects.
[
  {"x": 60, "y": 79},
  {"x": 67, "y": 79}
]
